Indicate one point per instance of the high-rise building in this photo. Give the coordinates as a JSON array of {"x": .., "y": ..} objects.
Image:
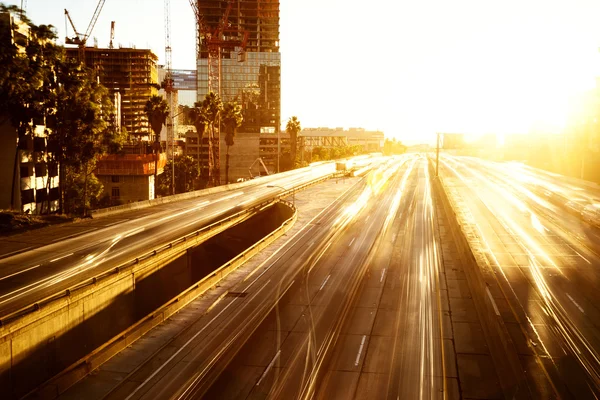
[
  {"x": 131, "y": 72},
  {"x": 29, "y": 176},
  {"x": 254, "y": 80}
]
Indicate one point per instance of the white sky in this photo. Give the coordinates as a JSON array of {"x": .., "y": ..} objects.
[{"x": 409, "y": 68}]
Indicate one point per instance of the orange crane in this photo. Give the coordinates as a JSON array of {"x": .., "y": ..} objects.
[
  {"x": 215, "y": 41},
  {"x": 80, "y": 39}
]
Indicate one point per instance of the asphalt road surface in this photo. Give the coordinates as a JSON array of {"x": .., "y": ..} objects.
[
  {"x": 546, "y": 260},
  {"x": 351, "y": 309},
  {"x": 36, "y": 272}
]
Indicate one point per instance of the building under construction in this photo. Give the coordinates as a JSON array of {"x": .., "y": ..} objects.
[
  {"x": 249, "y": 72},
  {"x": 130, "y": 72}
]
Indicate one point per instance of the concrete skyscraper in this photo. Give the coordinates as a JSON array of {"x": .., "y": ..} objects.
[{"x": 252, "y": 77}]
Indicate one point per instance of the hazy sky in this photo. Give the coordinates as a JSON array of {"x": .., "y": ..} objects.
[{"x": 410, "y": 68}]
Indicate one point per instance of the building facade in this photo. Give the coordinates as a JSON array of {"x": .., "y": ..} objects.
[
  {"x": 369, "y": 141},
  {"x": 28, "y": 175},
  {"x": 253, "y": 80},
  {"x": 133, "y": 73},
  {"x": 129, "y": 176}
]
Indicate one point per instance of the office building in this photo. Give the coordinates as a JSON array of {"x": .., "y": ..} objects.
[
  {"x": 251, "y": 77},
  {"x": 132, "y": 73}
]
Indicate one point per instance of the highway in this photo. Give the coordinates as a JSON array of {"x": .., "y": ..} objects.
[
  {"x": 350, "y": 307},
  {"x": 39, "y": 270},
  {"x": 546, "y": 261}
]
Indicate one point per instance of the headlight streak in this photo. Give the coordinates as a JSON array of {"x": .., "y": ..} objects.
[{"x": 561, "y": 323}]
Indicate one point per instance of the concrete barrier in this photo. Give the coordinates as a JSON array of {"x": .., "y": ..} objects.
[
  {"x": 34, "y": 341},
  {"x": 483, "y": 283},
  {"x": 104, "y": 212},
  {"x": 60, "y": 383}
]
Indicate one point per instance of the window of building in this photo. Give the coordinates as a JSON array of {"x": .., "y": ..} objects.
[
  {"x": 115, "y": 192},
  {"x": 115, "y": 178},
  {"x": 25, "y": 171}
]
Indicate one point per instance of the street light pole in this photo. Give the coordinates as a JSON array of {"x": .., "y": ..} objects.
[
  {"x": 437, "y": 156},
  {"x": 281, "y": 187}
]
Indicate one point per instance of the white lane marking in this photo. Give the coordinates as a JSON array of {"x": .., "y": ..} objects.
[
  {"x": 360, "y": 349},
  {"x": 586, "y": 260},
  {"x": 61, "y": 257},
  {"x": 268, "y": 367},
  {"x": 352, "y": 241},
  {"x": 394, "y": 237},
  {"x": 118, "y": 222},
  {"x": 19, "y": 272},
  {"x": 324, "y": 282},
  {"x": 6, "y": 255},
  {"x": 574, "y": 302},
  {"x": 368, "y": 216},
  {"x": 382, "y": 275},
  {"x": 190, "y": 340},
  {"x": 311, "y": 243},
  {"x": 73, "y": 235},
  {"x": 487, "y": 289}
]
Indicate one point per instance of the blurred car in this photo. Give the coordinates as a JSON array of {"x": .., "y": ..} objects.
[{"x": 591, "y": 214}]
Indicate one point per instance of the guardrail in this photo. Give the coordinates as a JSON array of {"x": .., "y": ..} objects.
[
  {"x": 4, "y": 320},
  {"x": 60, "y": 383}
]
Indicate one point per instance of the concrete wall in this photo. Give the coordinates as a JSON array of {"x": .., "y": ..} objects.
[
  {"x": 241, "y": 156},
  {"x": 132, "y": 188},
  {"x": 45, "y": 339}
]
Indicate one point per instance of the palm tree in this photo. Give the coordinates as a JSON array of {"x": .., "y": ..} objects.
[
  {"x": 211, "y": 108},
  {"x": 197, "y": 119},
  {"x": 293, "y": 128},
  {"x": 157, "y": 111},
  {"x": 232, "y": 118}
]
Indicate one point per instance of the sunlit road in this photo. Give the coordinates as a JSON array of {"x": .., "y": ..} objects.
[
  {"x": 349, "y": 307},
  {"x": 35, "y": 273},
  {"x": 546, "y": 261}
]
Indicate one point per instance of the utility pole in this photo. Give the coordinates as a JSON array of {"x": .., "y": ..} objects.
[{"x": 437, "y": 156}]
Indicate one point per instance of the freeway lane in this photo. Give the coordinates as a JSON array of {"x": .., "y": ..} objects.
[
  {"x": 34, "y": 274},
  {"x": 548, "y": 272},
  {"x": 402, "y": 356},
  {"x": 369, "y": 325},
  {"x": 201, "y": 356}
]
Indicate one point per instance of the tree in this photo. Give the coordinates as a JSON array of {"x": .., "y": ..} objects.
[
  {"x": 196, "y": 118},
  {"x": 210, "y": 111},
  {"x": 293, "y": 128},
  {"x": 40, "y": 86},
  {"x": 26, "y": 79},
  {"x": 231, "y": 120},
  {"x": 157, "y": 111},
  {"x": 186, "y": 173},
  {"x": 79, "y": 129}
]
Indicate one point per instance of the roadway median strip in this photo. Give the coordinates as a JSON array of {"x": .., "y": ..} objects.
[
  {"x": 199, "y": 307},
  {"x": 75, "y": 372}
]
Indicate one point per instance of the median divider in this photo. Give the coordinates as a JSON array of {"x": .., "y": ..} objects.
[
  {"x": 35, "y": 335},
  {"x": 60, "y": 383},
  {"x": 482, "y": 282}
]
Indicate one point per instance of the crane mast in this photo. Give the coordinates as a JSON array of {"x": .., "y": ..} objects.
[
  {"x": 168, "y": 87},
  {"x": 215, "y": 41}
]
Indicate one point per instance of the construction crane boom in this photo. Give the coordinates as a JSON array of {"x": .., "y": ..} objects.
[
  {"x": 92, "y": 23},
  {"x": 80, "y": 39}
]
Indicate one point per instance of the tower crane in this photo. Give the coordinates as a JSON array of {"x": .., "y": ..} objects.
[
  {"x": 215, "y": 41},
  {"x": 80, "y": 39},
  {"x": 112, "y": 34},
  {"x": 169, "y": 89}
]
